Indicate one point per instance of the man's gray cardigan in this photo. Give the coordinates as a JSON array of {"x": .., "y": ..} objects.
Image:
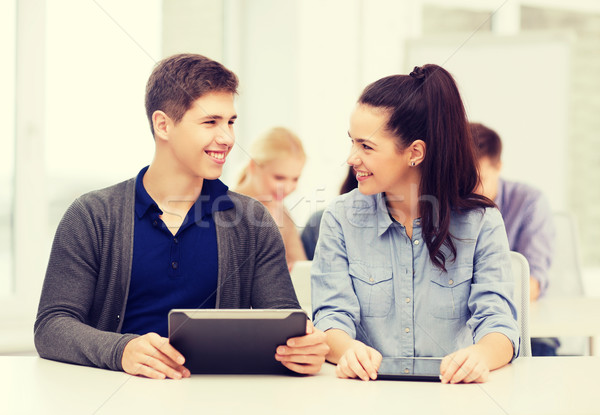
[{"x": 84, "y": 295}]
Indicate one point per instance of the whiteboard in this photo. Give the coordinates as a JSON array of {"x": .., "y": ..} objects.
[{"x": 519, "y": 87}]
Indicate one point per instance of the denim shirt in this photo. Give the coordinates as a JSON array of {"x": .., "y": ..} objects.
[{"x": 372, "y": 281}]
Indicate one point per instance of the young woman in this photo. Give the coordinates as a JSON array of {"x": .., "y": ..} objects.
[
  {"x": 413, "y": 262},
  {"x": 277, "y": 160}
]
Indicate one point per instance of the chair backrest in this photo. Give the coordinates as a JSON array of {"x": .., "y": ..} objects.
[
  {"x": 301, "y": 279},
  {"x": 565, "y": 277},
  {"x": 520, "y": 271}
]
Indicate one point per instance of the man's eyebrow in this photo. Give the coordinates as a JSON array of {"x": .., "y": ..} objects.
[{"x": 216, "y": 117}]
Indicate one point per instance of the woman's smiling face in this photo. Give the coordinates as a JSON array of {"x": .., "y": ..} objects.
[{"x": 378, "y": 164}]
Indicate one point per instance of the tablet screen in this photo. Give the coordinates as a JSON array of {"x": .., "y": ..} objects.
[
  {"x": 410, "y": 368},
  {"x": 234, "y": 341}
]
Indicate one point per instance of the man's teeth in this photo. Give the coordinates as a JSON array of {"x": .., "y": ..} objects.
[
  {"x": 219, "y": 156},
  {"x": 363, "y": 174}
]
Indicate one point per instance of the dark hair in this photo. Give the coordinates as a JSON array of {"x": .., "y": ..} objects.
[
  {"x": 426, "y": 105},
  {"x": 350, "y": 183},
  {"x": 177, "y": 81},
  {"x": 487, "y": 142}
]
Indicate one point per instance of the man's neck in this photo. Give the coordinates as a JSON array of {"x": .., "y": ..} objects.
[{"x": 170, "y": 187}]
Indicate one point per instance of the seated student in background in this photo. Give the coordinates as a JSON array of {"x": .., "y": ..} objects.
[
  {"x": 310, "y": 233},
  {"x": 527, "y": 218},
  {"x": 414, "y": 262},
  {"x": 276, "y": 162},
  {"x": 124, "y": 256}
]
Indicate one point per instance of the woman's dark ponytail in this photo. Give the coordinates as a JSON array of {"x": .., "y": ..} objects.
[{"x": 426, "y": 105}]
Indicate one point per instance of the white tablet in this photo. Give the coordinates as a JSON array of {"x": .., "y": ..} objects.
[
  {"x": 410, "y": 368},
  {"x": 234, "y": 341}
]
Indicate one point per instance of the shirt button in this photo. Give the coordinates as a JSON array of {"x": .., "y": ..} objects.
[
  {"x": 407, "y": 300},
  {"x": 450, "y": 282},
  {"x": 174, "y": 264},
  {"x": 118, "y": 317},
  {"x": 407, "y": 330},
  {"x": 417, "y": 242},
  {"x": 371, "y": 279},
  {"x": 175, "y": 240},
  {"x": 406, "y": 371}
]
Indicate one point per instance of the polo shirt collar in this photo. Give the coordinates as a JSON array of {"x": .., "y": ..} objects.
[
  {"x": 213, "y": 198},
  {"x": 143, "y": 201}
]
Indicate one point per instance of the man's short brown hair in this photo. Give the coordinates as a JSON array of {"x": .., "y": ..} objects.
[
  {"x": 487, "y": 142},
  {"x": 177, "y": 81}
]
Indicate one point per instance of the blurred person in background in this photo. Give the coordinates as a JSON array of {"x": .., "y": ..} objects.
[
  {"x": 310, "y": 233},
  {"x": 527, "y": 218},
  {"x": 276, "y": 162}
]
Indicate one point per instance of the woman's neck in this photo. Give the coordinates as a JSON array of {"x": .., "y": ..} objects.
[{"x": 403, "y": 205}]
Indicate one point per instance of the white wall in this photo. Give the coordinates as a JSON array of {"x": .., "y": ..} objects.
[
  {"x": 302, "y": 64},
  {"x": 518, "y": 86}
]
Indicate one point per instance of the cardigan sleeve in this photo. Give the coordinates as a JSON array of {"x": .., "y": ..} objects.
[
  {"x": 272, "y": 285},
  {"x": 63, "y": 330}
]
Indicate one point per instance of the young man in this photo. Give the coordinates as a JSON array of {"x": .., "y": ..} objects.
[
  {"x": 173, "y": 237},
  {"x": 527, "y": 217}
]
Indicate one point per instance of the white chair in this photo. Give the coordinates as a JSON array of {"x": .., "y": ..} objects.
[
  {"x": 565, "y": 276},
  {"x": 520, "y": 271},
  {"x": 301, "y": 280}
]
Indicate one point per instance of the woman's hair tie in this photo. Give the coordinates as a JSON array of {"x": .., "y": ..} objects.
[{"x": 417, "y": 73}]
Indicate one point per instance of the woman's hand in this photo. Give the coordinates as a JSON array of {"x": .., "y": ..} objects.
[
  {"x": 152, "y": 356},
  {"x": 465, "y": 365},
  {"x": 359, "y": 360}
]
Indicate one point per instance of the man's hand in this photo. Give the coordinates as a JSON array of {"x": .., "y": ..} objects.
[
  {"x": 304, "y": 354},
  {"x": 152, "y": 356},
  {"x": 360, "y": 361}
]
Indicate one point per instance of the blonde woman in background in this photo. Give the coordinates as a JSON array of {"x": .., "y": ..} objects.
[{"x": 277, "y": 160}]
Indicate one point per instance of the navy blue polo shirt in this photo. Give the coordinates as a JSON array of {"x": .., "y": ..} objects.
[{"x": 172, "y": 271}]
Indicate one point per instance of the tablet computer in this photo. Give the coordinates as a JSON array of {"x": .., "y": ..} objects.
[
  {"x": 410, "y": 368},
  {"x": 234, "y": 341}
]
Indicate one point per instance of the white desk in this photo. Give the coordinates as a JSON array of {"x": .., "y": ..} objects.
[
  {"x": 557, "y": 385},
  {"x": 566, "y": 317},
  {"x": 550, "y": 317}
]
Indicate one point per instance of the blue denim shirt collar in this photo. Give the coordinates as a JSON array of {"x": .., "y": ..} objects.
[{"x": 368, "y": 211}]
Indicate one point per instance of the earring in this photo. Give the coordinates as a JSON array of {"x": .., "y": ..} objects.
[{"x": 412, "y": 164}]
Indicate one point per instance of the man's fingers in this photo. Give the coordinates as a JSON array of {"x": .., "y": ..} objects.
[
  {"x": 160, "y": 366},
  {"x": 303, "y": 369},
  {"x": 162, "y": 344},
  {"x": 309, "y": 339}
]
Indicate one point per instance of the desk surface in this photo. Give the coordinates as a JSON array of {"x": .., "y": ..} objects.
[
  {"x": 557, "y": 385},
  {"x": 550, "y": 317}
]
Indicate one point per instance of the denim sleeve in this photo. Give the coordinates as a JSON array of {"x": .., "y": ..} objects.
[
  {"x": 335, "y": 305},
  {"x": 491, "y": 301},
  {"x": 536, "y": 239}
]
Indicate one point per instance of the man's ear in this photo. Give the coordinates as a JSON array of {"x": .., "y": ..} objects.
[
  {"x": 161, "y": 124},
  {"x": 417, "y": 149}
]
